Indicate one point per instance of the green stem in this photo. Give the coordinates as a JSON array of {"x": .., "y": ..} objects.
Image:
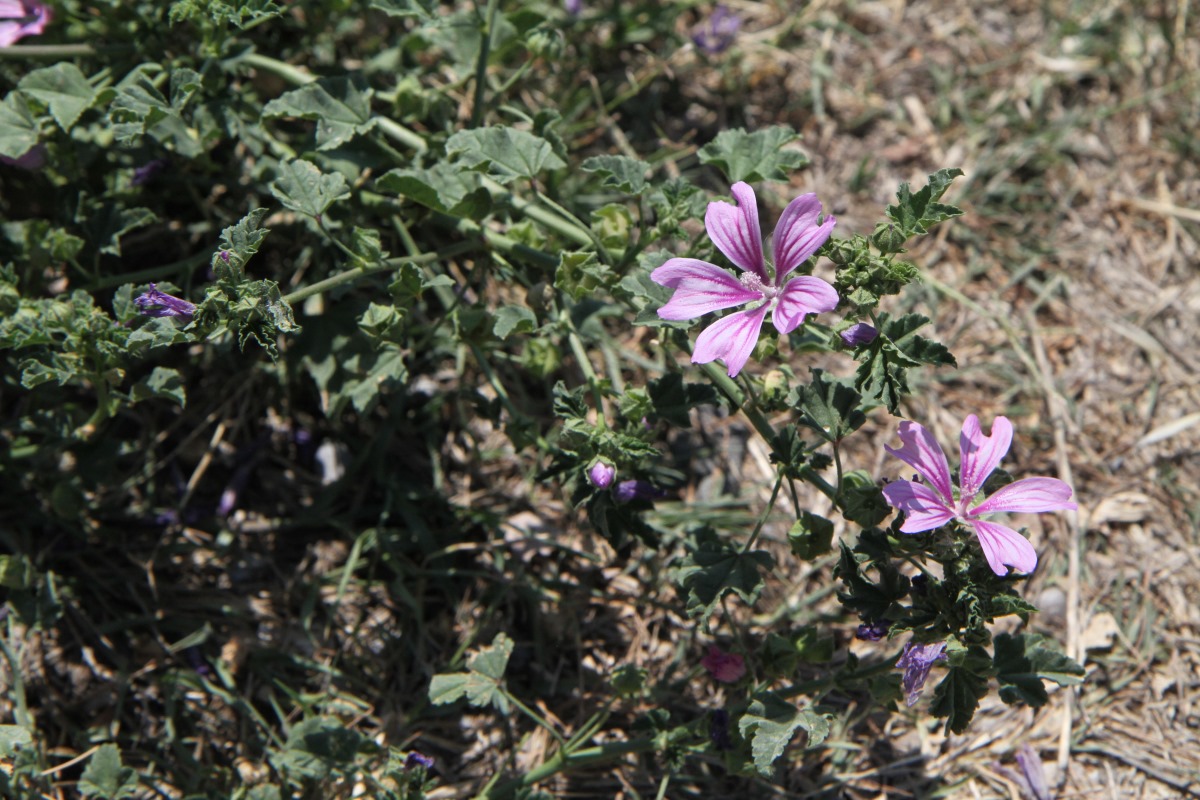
[
  {"x": 485, "y": 50},
  {"x": 585, "y": 364},
  {"x": 564, "y": 226},
  {"x": 527, "y": 711},
  {"x": 49, "y": 51},
  {"x": 351, "y": 275},
  {"x": 762, "y": 519},
  {"x": 152, "y": 273},
  {"x": 562, "y": 761}
]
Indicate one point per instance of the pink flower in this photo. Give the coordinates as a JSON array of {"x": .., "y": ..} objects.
[
  {"x": 701, "y": 287},
  {"x": 724, "y": 667},
  {"x": 928, "y": 507},
  {"x": 601, "y": 474},
  {"x": 19, "y": 18}
]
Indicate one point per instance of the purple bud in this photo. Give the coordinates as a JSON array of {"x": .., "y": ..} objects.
[
  {"x": 872, "y": 631},
  {"x": 574, "y": 7},
  {"x": 628, "y": 491},
  {"x": 716, "y": 34},
  {"x": 601, "y": 474},
  {"x": 160, "y": 304},
  {"x": 146, "y": 172},
  {"x": 916, "y": 661},
  {"x": 859, "y": 334},
  {"x": 225, "y": 256},
  {"x": 416, "y": 759}
]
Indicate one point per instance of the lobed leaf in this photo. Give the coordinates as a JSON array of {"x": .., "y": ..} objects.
[
  {"x": 758, "y": 156},
  {"x": 504, "y": 153}
]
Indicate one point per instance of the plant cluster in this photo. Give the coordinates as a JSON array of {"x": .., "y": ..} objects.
[{"x": 271, "y": 269}]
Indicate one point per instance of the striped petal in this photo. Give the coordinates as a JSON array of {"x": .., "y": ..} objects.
[
  {"x": 980, "y": 454},
  {"x": 1030, "y": 496},
  {"x": 923, "y": 509},
  {"x": 1002, "y": 546},
  {"x": 801, "y": 296},
  {"x": 700, "y": 288},
  {"x": 798, "y": 236},
  {"x": 730, "y": 339},
  {"x": 735, "y": 229},
  {"x": 922, "y": 452}
]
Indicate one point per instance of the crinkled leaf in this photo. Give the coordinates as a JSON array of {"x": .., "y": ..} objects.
[
  {"x": 613, "y": 226},
  {"x": 830, "y": 406},
  {"x": 717, "y": 568},
  {"x": 622, "y": 173},
  {"x": 758, "y": 156},
  {"x": 302, "y": 187},
  {"x": 480, "y": 684},
  {"x": 63, "y": 88},
  {"x": 966, "y": 682},
  {"x": 139, "y": 108},
  {"x": 874, "y": 600},
  {"x": 862, "y": 500},
  {"x": 449, "y": 188},
  {"x": 673, "y": 399},
  {"x": 222, "y": 13},
  {"x": 580, "y": 274},
  {"x": 18, "y": 127},
  {"x": 239, "y": 242},
  {"x": 881, "y": 377},
  {"x": 811, "y": 536},
  {"x": 156, "y": 332},
  {"x": 514, "y": 319},
  {"x": 106, "y": 777},
  {"x": 504, "y": 153},
  {"x": 14, "y": 738},
  {"x": 916, "y": 213},
  {"x": 1023, "y": 662},
  {"x": 316, "y": 747},
  {"x": 770, "y": 723},
  {"x": 340, "y": 105}
]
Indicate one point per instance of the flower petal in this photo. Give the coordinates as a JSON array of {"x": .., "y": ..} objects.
[
  {"x": 1004, "y": 546},
  {"x": 797, "y": 236},
  {"x": 1028, "y": 495},
  {"x": 922, "y": 452},
  {"x": 731, "y": 339},
  {"x": 923, "y": 509},
  {"x": 735, "y": 229},
  {"x": 699, "y": 287},
  {"x": 980, "y": 454},
  {"x": 801, "y": 296}
]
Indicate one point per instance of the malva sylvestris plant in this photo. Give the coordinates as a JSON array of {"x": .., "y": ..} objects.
[
  {"x": 701, "y": 287},
  {"x": 927, "y": 507}
]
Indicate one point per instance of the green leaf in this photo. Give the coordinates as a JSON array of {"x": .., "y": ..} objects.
[
  {"x": 811, "y": 536},
  {"x": 239, "y": 242},
  {"x": 757, "y": 156},
  {"x": 449, "y": 188},
  {"x": 162, "y": 382},
  {"x": 318, "y": 747},
  {"x": 916, "y": 213},
  {"x": 510, "y": 319},
  {"x": 139, "y": 108},
  {"x": 770, "y": 723},
  {"x": 341, "y": 106},
  {"x": 480, "y": 684},
  {"x": 63, "y": 88},
  {"x": 1023, "y": 662},
  {"x": 17, "y": 572},
  {"x": 862, "y": 501},
  {"x": 881, "y": 377},
  {"x": 302, "y": 187},
  {"x": 966, "y": 682},
  {"x": 14, "y": 738},
  {"x": 673, "y": 399},
  {"x": 580, "y": 274},
  {"x": 622, "y": 173},
  {"x": 18, "y": 127},
  {"x": 106, "y": 777},
  {"x": 717, "y": 568},
  {"x": 504, "y": 153},
  {"x": 872, "y": 600},
  {"x": 830, "y": 406},
  {"x": 405, "y": 8}
]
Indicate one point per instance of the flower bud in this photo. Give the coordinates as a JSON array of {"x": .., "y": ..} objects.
[
  {"x": 601, "y": 474},
  {"x": 859, "y": 334},
  {"x": 888, "y": 238}
]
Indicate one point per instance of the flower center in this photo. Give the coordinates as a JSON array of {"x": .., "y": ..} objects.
[{"x": 754, "y": 283}]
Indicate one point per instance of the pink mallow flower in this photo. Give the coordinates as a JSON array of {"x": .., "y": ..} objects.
[
  {"x": 701, "y": 287},
  {"x": 724, "y": 667},
  {"x": 20, "y": 18},
  {"x": 930, "y": 506}
]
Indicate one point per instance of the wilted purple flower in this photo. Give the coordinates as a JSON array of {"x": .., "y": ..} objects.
[
  {"x": 718, "y": 730},
  {"x": 601, "y": 474},
  {"x": 628, "y": 491},
  {"x": 916, "y": 661},
  {"x": 929, "y": 507},
  {"x": 574, "y": 7},
  {"x": 872, "y": 631},
  {"x": 146, "y": 172},
  {"x": 32, "y": 159},
  {"x": 160, "y": 304},
  {"x": 859, "y": 333},
  {"x": 715, "y": 34},
  {"x": 1033, "y": 772},
  {"x": 724, "y": 667},
  {"x": 20, "y": 18},
  {"x": 701, "y": 287},
  {"x": 416, "y": 759}
]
